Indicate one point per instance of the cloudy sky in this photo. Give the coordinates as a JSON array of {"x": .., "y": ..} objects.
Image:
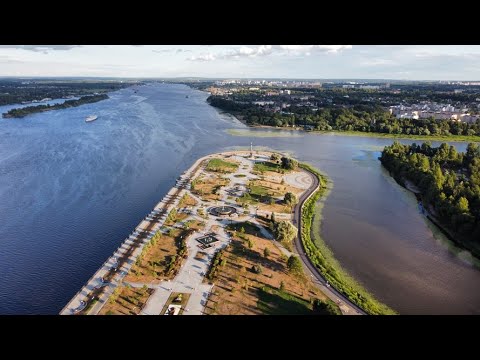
[{"x": 412, "y": 62}]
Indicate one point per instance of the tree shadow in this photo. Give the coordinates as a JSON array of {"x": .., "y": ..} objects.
[{"x": 275, "y": 302}]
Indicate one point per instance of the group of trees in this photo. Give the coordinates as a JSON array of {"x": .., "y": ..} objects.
[
  {"x": 364, "y": 118},
  {"x": 16, "y": 91},
  {"x": 449, "y": 181},
  {"x": 284, "y": 231},
  {"x": 22, "y": 112},
  {"x": 288, "y": 164}
]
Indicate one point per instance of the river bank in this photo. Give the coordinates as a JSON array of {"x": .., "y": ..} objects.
[
  {"x": 427, "y": 210},
  {"x": 24, "y": 111},
  {"x": 323, "y": 258},
  {"x": 459, "y": 138}
]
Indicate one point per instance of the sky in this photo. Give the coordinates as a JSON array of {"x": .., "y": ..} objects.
[{"x": 403, "y": 62}]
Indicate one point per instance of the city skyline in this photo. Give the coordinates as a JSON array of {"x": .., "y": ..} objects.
[{"x": 400, "y": 62}]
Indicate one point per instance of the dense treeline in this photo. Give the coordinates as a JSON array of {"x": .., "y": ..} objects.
[
  {"x": 364, "y": 118},
  {"x": 449, "y": 182},
  {"x": 22, "y": 112},
  {"x": 18, "y": 91}
]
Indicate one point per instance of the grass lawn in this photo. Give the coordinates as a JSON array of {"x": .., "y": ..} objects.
[
  {"x": 238, "y": 288},
  {"x": 153, "y": 264},
  {"x": 187, "y": 200},
  {"x": 222, "y": 166},
  {"x": 170, "y": 301},
  {"x": 260, "y": 167},
  {"x": 129, "y": 301},
  {"x": 205, "y": 188},
  {"x": 276, "y": 302}
]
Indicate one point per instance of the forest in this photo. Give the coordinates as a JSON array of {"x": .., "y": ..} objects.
[
  {"x": 449, "y": 182},
  {"x": 22, "y": 112},
  {"x": 364, "y": 118},
  {"x": 16, "y": 91}
]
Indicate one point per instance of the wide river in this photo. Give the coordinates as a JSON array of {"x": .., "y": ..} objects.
[{"x": 70, "y": 192}]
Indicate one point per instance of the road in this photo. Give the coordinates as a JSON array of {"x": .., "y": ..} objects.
[{"x": 346, "y": 306}]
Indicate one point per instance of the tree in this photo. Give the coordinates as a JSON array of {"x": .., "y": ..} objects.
[
  {"x": 325, "y": 308},
  {"x": 275, "y": 157},
  {"x": 288, "y": 164},
  {"x": 294, "y": 265},
  {"x": 266, "y": 252},
  {"x": 272, "y": 218},
  {"x": 284, "y": 231},
  {"x": 290, "y": 198},
  {"x": 462, "y": 205},
  {"x": 257, "y": 269}
]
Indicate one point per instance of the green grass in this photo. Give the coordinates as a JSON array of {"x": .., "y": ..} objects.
[
  {"x": 265, "y": 166},
  {"x": 258, "y": 190},
  {"x": 323, "y": 258},
  {"x": 250, "y": 229},
  {"x": 291, "y": 133},
  {"x": 265, "y": 134},
  {"x": 275, "y": 302},
  {"x": 258, "y": 193},
  {"x": 219, "y": 165},
  {"x": 465, "y": 138}
]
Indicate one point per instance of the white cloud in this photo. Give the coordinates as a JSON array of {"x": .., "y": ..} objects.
[
  {"x": 310, "y": 48},
  {"x": 264, "y": 50},
  {"x": 40, "y": 48},
  {"x": 377, "y": 62},
  {"x": 246, "y": 51},
  {"x": 203, "y": 57},
  {"x": 170, "y": 50}
]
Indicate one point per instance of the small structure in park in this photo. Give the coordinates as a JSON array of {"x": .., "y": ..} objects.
[
  {"x": 222, "y": 210},
  {"x": 173, "y": 310},
  {"x": 207, "y": 240}
]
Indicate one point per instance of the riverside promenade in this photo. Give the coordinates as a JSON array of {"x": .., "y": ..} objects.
[{"x": 93, "y": 295}]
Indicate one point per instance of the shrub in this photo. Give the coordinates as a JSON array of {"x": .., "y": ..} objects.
[
  {"x": 294, "y": 265},
  {"x": 284, "y": 231},
  {"x": 266, "y": 252},
  {"x": 257, "y": 269},
  {"x": 290, "y": 198},
  {"x": 326, "y": 308}
]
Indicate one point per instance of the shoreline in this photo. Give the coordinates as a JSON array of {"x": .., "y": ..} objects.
[
  {"x": 19, "y": 113},
  {"x": 131, "y": 247},
  {"x": 433, "y": 219},
  {"x": 323, "y": 259},
  {"x": 452, "y": 138},
  {"x": 94, "y": 294}
]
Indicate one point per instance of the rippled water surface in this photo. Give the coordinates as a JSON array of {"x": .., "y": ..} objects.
[{"x": 71, "y": 191}]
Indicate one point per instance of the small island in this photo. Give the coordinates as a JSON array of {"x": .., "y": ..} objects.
[
  {"x": 22, "y": 112},
  {"x": 446, "y": 183}
]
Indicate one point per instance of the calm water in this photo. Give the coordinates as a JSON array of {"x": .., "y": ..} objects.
[{"x": 70, "y": 192}]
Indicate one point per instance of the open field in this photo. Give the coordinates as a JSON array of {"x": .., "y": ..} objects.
[
  {"x": 221, "y": 166},
  {"x": 151, "y": 266},
  {"x": 127, "y": 301},
  {"x": 240, "y": 290}
]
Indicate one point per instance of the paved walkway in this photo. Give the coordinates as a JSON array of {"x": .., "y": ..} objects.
[{"x": 191, "y": 274}]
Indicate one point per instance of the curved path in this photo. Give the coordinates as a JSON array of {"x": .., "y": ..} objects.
[{"x": 346, "y": 306}]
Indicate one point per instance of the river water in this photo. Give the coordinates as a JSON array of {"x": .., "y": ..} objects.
[{"x": 70, "y": 192}]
